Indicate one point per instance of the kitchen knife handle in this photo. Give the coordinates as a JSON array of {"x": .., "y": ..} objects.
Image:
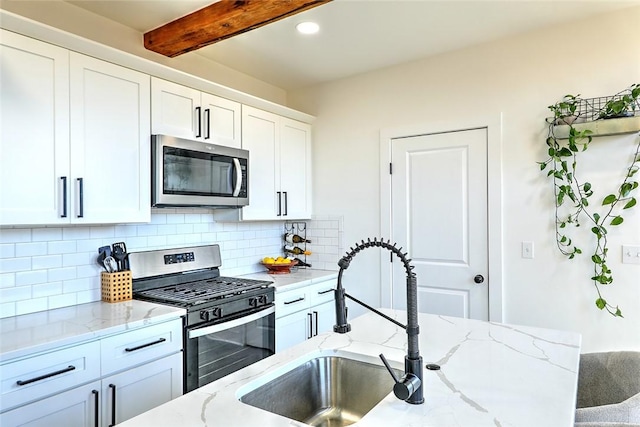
[
  {"x": 80, "y": 197},
  {"x": 207, "y": 122},
  {"x": 63, "y": 180},
  {"x": 279, "y": 203},
  {"x": 113, "y": 405},
  {"x": 198, "y": 134},
  {"x": 96, "y": 399}
]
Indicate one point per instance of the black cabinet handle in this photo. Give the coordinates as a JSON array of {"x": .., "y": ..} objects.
[
  {"x": 96, "y": 399},
  {"x": 325, "y": 292},
  {"x": 198, "y": 134},
  {"x": 81, "y": 197},
  {"x": 310, "y": 325},
  {"x": 315, "y": 313},
  {"x": 207, "y": 115},
  {"x": 279, "y": 203},
  {"x": 45, "y": 376},
  {"x": 64, "y": 196},
  {"x": 128, "y": 349},
  {"x": 294, "y": 301},
  {"x": 113, "y": 405},
  {"x": 286, "y": 203}
]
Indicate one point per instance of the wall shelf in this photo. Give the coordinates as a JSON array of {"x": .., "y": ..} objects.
[{"x": 602, "y": 127}]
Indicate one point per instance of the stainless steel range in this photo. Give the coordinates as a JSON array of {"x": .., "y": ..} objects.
[{"x": 230, "y": 322}]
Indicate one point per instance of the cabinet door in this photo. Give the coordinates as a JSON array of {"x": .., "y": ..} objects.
[
  {"x": 175, "y": 110},
  {"x": 260, "y": 135},
  {"x": 140, "y": 389},
  {"x": 293, "y": 329},
  {"x": 77, "y": 407},
  {"x": 324, "y": 317},
  {"x": 34, "y": 135},
  {"x": 221, "y": 121},
  {"x": 110, "y": 142},
  {"x": 295, "y": 168}
]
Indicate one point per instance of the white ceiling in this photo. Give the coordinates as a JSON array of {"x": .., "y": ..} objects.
[{"x": 357, "y": 36}]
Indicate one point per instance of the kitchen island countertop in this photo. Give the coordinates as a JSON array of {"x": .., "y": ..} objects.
[{"x": 491, "y": 375}]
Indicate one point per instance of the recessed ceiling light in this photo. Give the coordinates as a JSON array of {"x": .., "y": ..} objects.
[{"x": 308, "y": 27}]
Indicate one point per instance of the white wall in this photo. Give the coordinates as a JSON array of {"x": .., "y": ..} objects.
[
  {"x": 518, "y": 77},
  {"x": 70, "y": 18}
]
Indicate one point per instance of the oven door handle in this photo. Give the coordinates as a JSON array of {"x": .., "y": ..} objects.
[{"x": 195, "y": 333}]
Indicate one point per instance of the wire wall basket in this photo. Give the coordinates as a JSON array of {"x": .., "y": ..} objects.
[{"x": 603, "y": 107}]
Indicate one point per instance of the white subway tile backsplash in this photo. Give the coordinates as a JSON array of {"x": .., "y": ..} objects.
[
  {"x": 46, "y": 234},
  {"x": 15, "y": 235},
  {"x": 7, "y": 280},
  {"x": 10, "y": 265},
  {"x": 62, "y": 247},
  {"x": 25, "y": 278},
  {"x": 51, "y": 267},
  {"x": 57, "y": 274},
  {"x": 31, "y": 249},
  {"x": 7, "y": 250}
]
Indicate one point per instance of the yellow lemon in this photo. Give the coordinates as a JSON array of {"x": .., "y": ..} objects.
[{"x": 268, "y": 260}]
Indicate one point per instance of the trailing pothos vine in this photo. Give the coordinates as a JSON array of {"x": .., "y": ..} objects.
[{"x": 572, "y": 191}]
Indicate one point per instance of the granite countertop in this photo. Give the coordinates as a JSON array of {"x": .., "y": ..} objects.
[
  {"x": 491, "y": 375},
  {"x": 295, "y": 279},
  {"x": 32, "y": 333}
]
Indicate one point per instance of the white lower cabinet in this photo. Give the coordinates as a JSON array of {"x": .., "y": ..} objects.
[
  {"x": 304, "y": 313},
  {"x": 71, "y": 387}
]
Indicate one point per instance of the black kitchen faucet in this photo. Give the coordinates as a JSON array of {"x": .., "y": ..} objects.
[{"x": 409, "y": 387}]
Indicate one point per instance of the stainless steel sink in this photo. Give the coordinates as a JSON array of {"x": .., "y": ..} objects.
[{"x": 327, "y": 391}]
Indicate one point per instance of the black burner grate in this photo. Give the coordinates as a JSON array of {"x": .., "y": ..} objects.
[{"x": 204, "y": 290}]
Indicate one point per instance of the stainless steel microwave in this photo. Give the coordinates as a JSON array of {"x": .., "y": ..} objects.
[{"x": 193, "y": 173}]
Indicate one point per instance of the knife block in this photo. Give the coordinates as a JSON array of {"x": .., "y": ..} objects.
[{"x": 116, "y": 287}]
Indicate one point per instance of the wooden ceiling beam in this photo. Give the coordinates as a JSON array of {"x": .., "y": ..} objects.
[{"x": 219, "y": 21}]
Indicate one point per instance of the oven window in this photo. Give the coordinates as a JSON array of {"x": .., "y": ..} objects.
[
  {"x": 195, "y": 173},
  {"x": 211, "y": 357}
]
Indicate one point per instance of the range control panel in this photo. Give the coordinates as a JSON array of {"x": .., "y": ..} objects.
[{"x": 179, "y": 258}]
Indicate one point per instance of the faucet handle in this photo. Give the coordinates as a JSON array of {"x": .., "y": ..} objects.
[{"x": 404, "y": 387}]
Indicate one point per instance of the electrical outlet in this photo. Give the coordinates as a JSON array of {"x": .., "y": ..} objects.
[
  {"x": 630, "y": 254},
  {"x": 527, "y": 250}
]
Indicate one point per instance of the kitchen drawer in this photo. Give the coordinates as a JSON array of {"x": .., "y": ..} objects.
[
  {"x": 291, "y": 301},
  {"x": 45, "y": 374},
  {"x": 139, "y": 346},
  {"x": 322, "y": 292}
]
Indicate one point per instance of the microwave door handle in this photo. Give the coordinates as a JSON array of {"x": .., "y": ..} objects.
[
  {"x": 195, "y": 333},
  {"x": 238, "y": 177}
]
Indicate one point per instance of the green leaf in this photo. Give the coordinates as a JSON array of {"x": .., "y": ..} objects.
[
  {"x": 587, "y": 186},
  {"x": 609, "y": 199},
  {"x": 596, "y": 259},
  {"x": 584, "y": 202},
  {"x": 543, "y": 165},
  {"x": 565, "y": 152},
  {"x": 631, "y": 203},
  {"x": 578, "y": 251},
  {"x": 617, "y": 220},
  {"x": 552, "y": 152},
  {"x": 550, "y": 141},
  {"x": 601, "y": 303},
  {"x": 625, "y": 189},
  {"x": 596, "y": 217},
  {"x": 618, "y": 312}
]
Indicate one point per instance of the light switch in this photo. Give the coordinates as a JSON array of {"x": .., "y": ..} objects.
[
  {"x": 527, "y": 250},
  {"x": 630, "y": 254}
]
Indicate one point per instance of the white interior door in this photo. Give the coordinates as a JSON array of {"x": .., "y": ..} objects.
[{"x": 439, "y": 215}]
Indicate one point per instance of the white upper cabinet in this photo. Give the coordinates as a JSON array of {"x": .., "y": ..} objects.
[
  {"x": 34, "y": 130},
  {"x": 75, "y": 137},
  {"x": 184, "y": 112},
  {"x": 279, "y": 166},
  {"x": 110, "y": 143}
]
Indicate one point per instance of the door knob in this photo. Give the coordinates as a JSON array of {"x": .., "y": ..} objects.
[{"x": 479, "y": 278}]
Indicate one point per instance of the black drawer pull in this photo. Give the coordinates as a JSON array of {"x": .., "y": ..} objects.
[
  {"x": 129, "y": 349},
  {"x": 45, "y": 376},
  {"x": 295, "y": 300},
  {"x": 96, "y": 396},
  {"x": 113, "y": 405},
  {"x": 325, "y": 292}
]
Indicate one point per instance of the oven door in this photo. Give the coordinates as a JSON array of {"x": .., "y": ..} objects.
[{"x": 215, "y": 350}]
